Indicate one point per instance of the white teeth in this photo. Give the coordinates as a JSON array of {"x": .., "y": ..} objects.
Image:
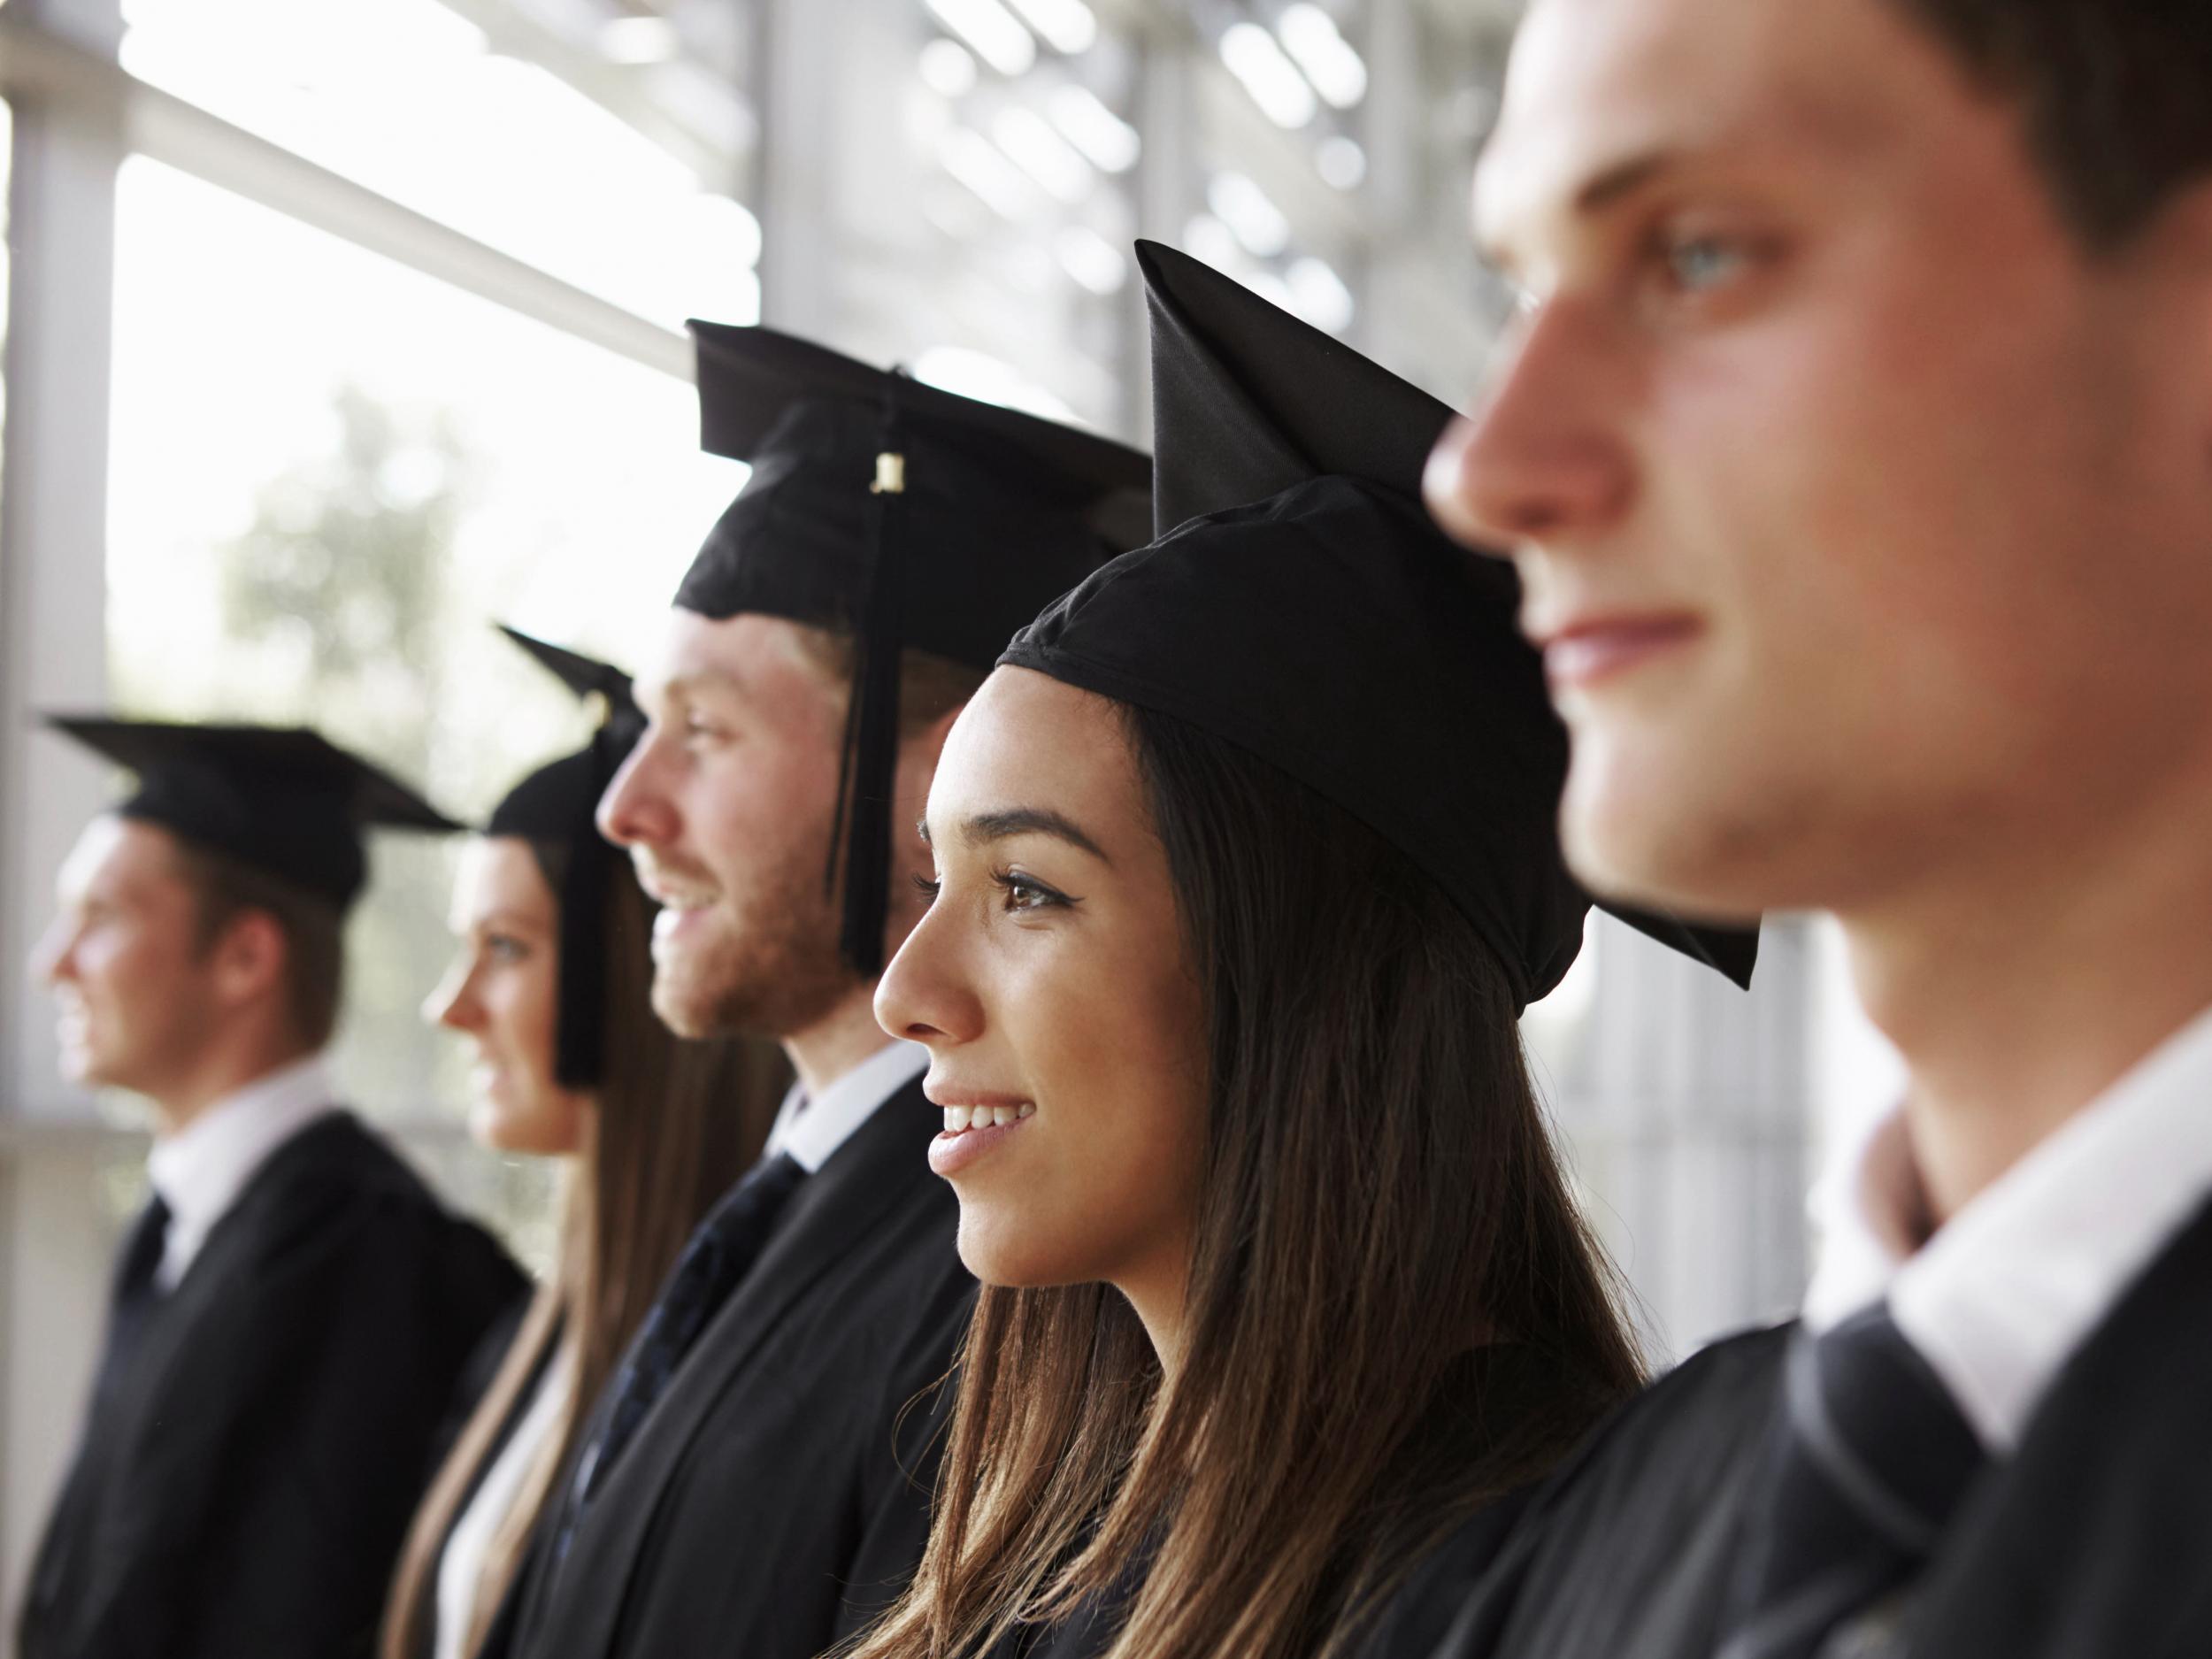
[{"x": 960, "y": 1119}]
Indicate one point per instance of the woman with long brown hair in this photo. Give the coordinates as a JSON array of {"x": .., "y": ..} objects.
[
  {"x": 1244, "y": 870},
  {"x": 553, "y": 983}
]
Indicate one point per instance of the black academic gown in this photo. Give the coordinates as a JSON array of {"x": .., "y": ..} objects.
[
  {"x": 2092, "y": 1541},
  {"x": 777, "y": 1496},
  {"x": 246, "y": 1487},
  {"x": 477, "y": 1376},
  {"x": 1410, "y": 1620}
]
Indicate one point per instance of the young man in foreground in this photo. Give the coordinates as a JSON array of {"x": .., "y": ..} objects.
[{"x": 1856, "y": 451}]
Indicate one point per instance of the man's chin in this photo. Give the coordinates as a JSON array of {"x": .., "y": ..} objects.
[
  {"x": 1662, "y": 849},
  {"x": 81, "y": 1067},
  {"x": 700, "y": 1005},
  {"x": 680, "y": 1009}
]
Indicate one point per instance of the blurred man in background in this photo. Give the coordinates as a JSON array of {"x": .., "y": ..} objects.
[{"x": 292, "y": 1306}]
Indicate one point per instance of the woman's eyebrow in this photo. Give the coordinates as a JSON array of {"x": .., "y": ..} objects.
[
  {"x": 986, "y": 827},
  {"x": 516, "y": 921}
]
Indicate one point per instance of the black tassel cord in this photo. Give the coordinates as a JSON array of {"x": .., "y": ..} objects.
[{"x": 870, "y": 763}]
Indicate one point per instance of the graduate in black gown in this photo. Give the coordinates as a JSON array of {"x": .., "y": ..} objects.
[
  {"x": 1245, "y": 868},
  {"x": 293, "y": 1306},
  {"x": 552, "y": 986},
  {"x": 756, "y": 1477},
  {"x": 1856, "y": 451}
]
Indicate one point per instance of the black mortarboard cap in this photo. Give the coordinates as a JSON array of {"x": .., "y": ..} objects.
[
  {"x": 1300, "y": 604},
  {"x": 904, "y": 515},
  {"x": 555, "y": 808},
  {"x": 282, "y": 800}
]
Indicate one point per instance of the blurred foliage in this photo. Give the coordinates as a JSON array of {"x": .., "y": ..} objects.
[
  {"x": 341, "y": 604},
  {"x": 339, "y": 586}
]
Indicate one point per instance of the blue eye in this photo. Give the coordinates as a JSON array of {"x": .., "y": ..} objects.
[
  {"x": 1697, "y": 264},
  {"x": 503, "y": 948}
]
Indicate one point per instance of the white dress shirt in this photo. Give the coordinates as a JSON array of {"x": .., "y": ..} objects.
[
  {"x": 2003, "y": 1294},
  {"x": 200, "y": 1169},
  {"x": 810, "y": 1130},
  {"x": 461, "y": 1564}
]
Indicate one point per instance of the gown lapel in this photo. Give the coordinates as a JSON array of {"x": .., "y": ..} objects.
[{"x": 826, "y": 1219}]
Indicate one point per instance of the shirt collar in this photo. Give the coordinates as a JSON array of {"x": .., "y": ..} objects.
[
  {"x": 200, "y": 1170},
  {"x": 811, "y": 1130},
  {"x": 1999, "y": 1298}
]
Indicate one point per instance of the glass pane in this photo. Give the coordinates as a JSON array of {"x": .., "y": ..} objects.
[
  {"x": 1019, "y": 160},
  {"x": 613, "y": 175},
  {"x": 329, "y": 475},
  {"x": 7, "y": 161}
]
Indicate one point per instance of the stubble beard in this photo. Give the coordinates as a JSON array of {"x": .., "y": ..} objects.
[{"x": 770, "y": 968}]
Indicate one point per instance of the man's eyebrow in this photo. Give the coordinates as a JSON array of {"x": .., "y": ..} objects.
[
  {"x": 986, "y": 827},
  {"x": 1624, "y": 178},
  {"x": 686, "y": 688},
  {"x": 698, "y": 680},
  {"x": 1603, "y": 190}
]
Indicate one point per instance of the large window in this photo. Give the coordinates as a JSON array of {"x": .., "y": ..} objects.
[
  {"x": 328, "y": 476},
  {"x": 1018, "y": 155},
  {"x": 594, "y": 143},
  {"x": 395, "y": 294}
]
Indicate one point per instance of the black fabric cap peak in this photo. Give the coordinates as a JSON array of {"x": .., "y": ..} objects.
[
  {"x": 282, "y": 800},
  {"x": 583, "y": 675},
  {"x": 1259, "y": 403},
  {"x": 1300, "y": 604},
  {"x": 991, "y": 512},
  {"x": 1000, "y": 512},
  {"x": 557, "y": 808}
]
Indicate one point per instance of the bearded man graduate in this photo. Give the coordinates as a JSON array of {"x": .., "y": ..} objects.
[
  {"x": 1856, "y": 451},
  {"x": 756, "y": 1480},
  {"x": 293, "y": 1306}
]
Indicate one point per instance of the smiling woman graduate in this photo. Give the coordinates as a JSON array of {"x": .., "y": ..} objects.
[
  {"x": 552, "y": 984},
  {"x": 1245, "y": 867}
]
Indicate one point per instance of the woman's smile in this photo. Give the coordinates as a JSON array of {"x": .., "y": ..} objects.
[
  {"x": 973, "y": 1124},
  {"x": 977, "y": 1133}
]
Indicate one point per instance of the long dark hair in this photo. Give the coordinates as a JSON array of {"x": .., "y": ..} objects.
[
  {"x": 676, "y": 1123},
  {"x": 1378, "y": 1200}
]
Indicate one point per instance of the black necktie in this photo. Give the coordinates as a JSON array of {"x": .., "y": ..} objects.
[
  {"x": 1868, "y": 1462},
  {"x": 135, "y": 1296},
  {"x": 133, "y": 1300},
  {"x": 714, "y": 1263}
]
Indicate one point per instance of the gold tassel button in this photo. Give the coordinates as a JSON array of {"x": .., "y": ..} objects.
[{"x": 890, "y": 474}]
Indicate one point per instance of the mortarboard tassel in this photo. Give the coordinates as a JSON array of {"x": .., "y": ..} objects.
[
  {"x": 871, "y": 758},
  {"x": 580, "y": 1033}
]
